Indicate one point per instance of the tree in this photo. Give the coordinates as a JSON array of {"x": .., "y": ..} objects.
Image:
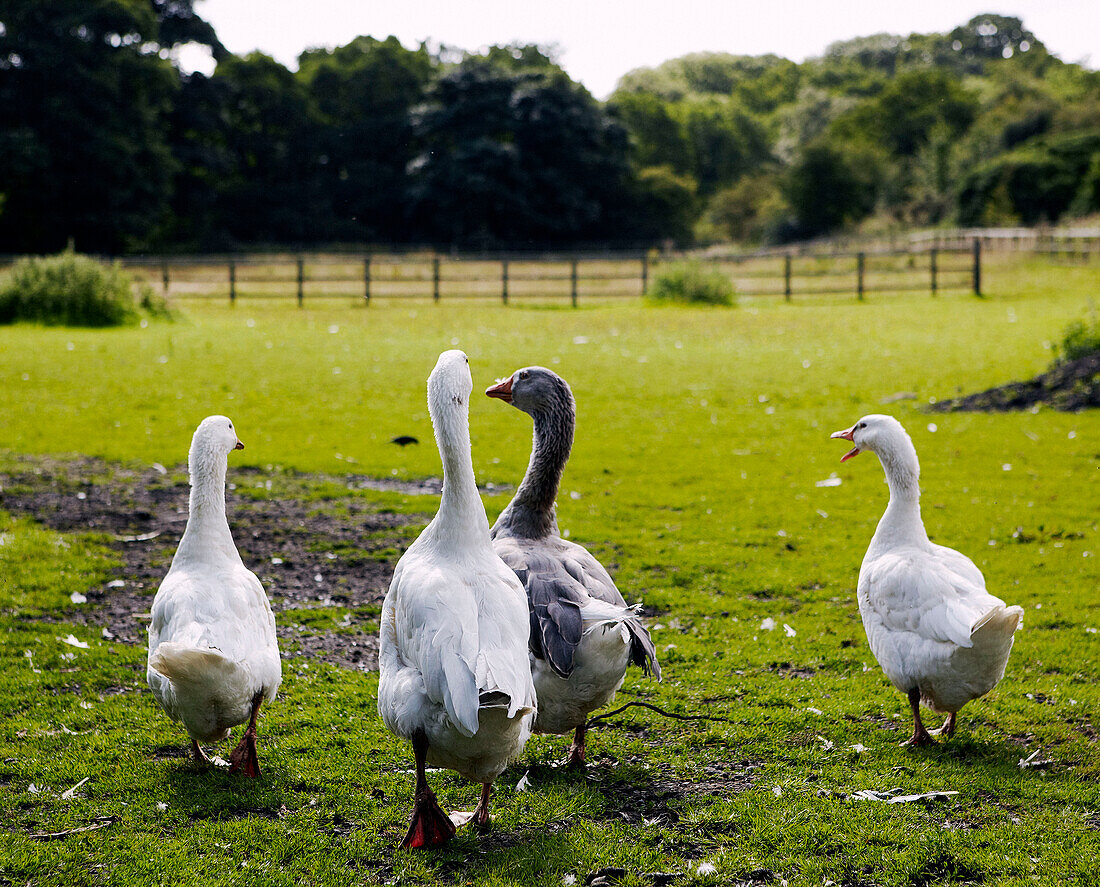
[
  {"x": 909, "y": 107},
  {"x": 364, "y": 93},
  {"x": 831, "y": 185},
  {"x": 515, "y": 154},
  {"x": 85, "y": 89},
  {"x": 723, "y": 142},
  {"x": 246, "y": 138}
]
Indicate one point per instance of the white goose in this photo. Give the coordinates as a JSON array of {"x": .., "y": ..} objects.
[
  {"x": 583, "y": 634},
  {"x": 213, "y": 655},
  {"x": 454, "y": 678},
  {"x": 941, "y": 638}
]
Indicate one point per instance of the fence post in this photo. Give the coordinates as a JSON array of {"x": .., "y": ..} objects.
[
  {"x": 504, "y": 281},
  {"x": 366, "y": 280},
  {"x": 860, "y": 259},
  {"x": 787, "y": 277},
  {"x": 932, "y": 255},
  {"x": 164, "y": 276},
  {"x": 573, "y": 282},
  {"x": 645, "y": 273},
  {"x": 977, "y": 274},
  {"x": 232, "y": 282},
  {"x": 301, "y": 281},
  {"x": 435, "y": 278}
]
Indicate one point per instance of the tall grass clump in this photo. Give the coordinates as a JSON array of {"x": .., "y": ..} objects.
[
  {"x": 73, "y": 290},
  {"x": 694, "y": 283},
  {"x": 1081, "y": 338}
]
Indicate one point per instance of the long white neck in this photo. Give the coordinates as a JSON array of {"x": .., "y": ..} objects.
[
  {"x": 461, "y": 523},
  {"x": 207, "y": 536},
  {"x": 901, "y": 524}
]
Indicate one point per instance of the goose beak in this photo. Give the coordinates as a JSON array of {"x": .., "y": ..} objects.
[
  {"x": 503, "y": 390},
  {"x": 239, "y": 446},
  {"x": 847, "y": 435}
]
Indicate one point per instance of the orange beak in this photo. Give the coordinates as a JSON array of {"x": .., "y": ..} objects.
[
  {"x": 847, "y": 435},
  {"x": 503, "y": 390}
]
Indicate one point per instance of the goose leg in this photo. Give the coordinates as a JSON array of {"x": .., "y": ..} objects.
[
  {"x": 948, "y": 728},
  {"x": 920, "y": 735},
  {"x": 197, "y": 754},
  {"x": 576, "y": 750},
  {"x": 428, "y": 825},
  {"x": 480, "y": 818},
  {"x": 243, "y": 758}
]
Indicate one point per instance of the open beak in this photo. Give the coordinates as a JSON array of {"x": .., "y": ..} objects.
[
  {"x": 847, "y": 435},
  {"x": 239, "y": 446},
  {"x": 503, "y": 390}
]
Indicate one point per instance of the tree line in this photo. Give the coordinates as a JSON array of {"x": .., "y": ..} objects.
[{"x": 105, "y": 143}]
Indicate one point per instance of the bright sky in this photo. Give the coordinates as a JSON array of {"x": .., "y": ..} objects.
[{"x": 598, "y": 41}]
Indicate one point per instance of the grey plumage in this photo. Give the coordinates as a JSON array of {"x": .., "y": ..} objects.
[{"x": 559, "y": 576}]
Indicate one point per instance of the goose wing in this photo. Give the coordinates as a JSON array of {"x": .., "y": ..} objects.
[
  {"x": 435, "y": 630},
  {"x": 561, "y": 579},
  {"x": 939, "y": 598},
  {"x": 466, "y": 633}
]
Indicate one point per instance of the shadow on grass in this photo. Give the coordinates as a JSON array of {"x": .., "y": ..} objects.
[{"x": 212, "y": 793}]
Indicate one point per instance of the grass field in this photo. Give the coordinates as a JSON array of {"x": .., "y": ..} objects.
[{"x": 702, "y": 445}]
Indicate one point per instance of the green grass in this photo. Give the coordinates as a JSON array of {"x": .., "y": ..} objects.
[{"x": 702, "y": 436}]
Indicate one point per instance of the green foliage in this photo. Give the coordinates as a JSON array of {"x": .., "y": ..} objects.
[
  {"x": 516, "y": 153},
  {"x": 692, "y": 283},
  {"x": 1040, "y": 179},
  {"x": 751, "y": 211},
  {"x": 1080, "y": 339},
  {"x": 84, "y": 100},
  {"x": 72, "y": 290},
  {"x": 103, "y": 141},
  {"x": 831, "y": 184},
  {"x": 667, "y": 204}
]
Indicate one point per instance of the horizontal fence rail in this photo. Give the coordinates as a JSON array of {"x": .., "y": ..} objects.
[{"x": 509, "y": 278}]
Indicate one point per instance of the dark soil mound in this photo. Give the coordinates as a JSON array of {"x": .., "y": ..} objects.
[{"x": 1070, "y": 387}]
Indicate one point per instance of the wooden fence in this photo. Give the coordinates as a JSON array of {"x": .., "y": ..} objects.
[{"x": 513, "y": 277}]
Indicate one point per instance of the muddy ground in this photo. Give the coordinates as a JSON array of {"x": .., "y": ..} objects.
[
  {"x": 309, "y": 553},
  {"x": 1070, "y": 387}
]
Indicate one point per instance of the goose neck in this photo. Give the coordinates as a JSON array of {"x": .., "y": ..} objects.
[
  {"x": 461, "y": 514},
  {"x": 207, "y": 529},
  {"x": 531, "y": 512},
  {"x": 901, "y": 523}
]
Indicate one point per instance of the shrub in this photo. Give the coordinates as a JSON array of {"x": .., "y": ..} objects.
[
  {"x": 1081, "y": 338},
  {"x": 692, "y": 282},
  {"x": 72, "y": 290}
]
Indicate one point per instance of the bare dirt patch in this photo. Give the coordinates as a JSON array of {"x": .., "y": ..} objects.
[
  {"x": 1070, "y": 387},
  {"x": 311, "y": 553}
]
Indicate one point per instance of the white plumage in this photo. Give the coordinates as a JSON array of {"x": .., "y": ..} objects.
[
  {"x": 213, "y": 654},
  {"x": 939, "y": 636},
  {"x": 454, "y": 677}
]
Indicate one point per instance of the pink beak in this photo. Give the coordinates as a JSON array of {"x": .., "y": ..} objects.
[
  {"x": 847, "y": 435},
  {"x": 503, "y": 390},
  {"x": 239, "y": 446}
]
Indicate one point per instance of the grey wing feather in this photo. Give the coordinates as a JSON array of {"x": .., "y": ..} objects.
[{"x": 558, "y": 583}]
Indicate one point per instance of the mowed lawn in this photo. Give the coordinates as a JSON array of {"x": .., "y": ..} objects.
[{"x": 704, "y": 477}]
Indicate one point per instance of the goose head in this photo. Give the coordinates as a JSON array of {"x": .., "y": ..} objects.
[
  {"x": 214, "y": 439},
  {"x": 449, "y": 386},
  {"x": 878, "y": 433},
  {"x": 216, "y": 436},
  {"x": 886, "y": 438},
  {"x": 533, "y": 390}
]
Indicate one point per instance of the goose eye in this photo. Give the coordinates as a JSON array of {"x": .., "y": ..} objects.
[{"x": 524, "y": 374}]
